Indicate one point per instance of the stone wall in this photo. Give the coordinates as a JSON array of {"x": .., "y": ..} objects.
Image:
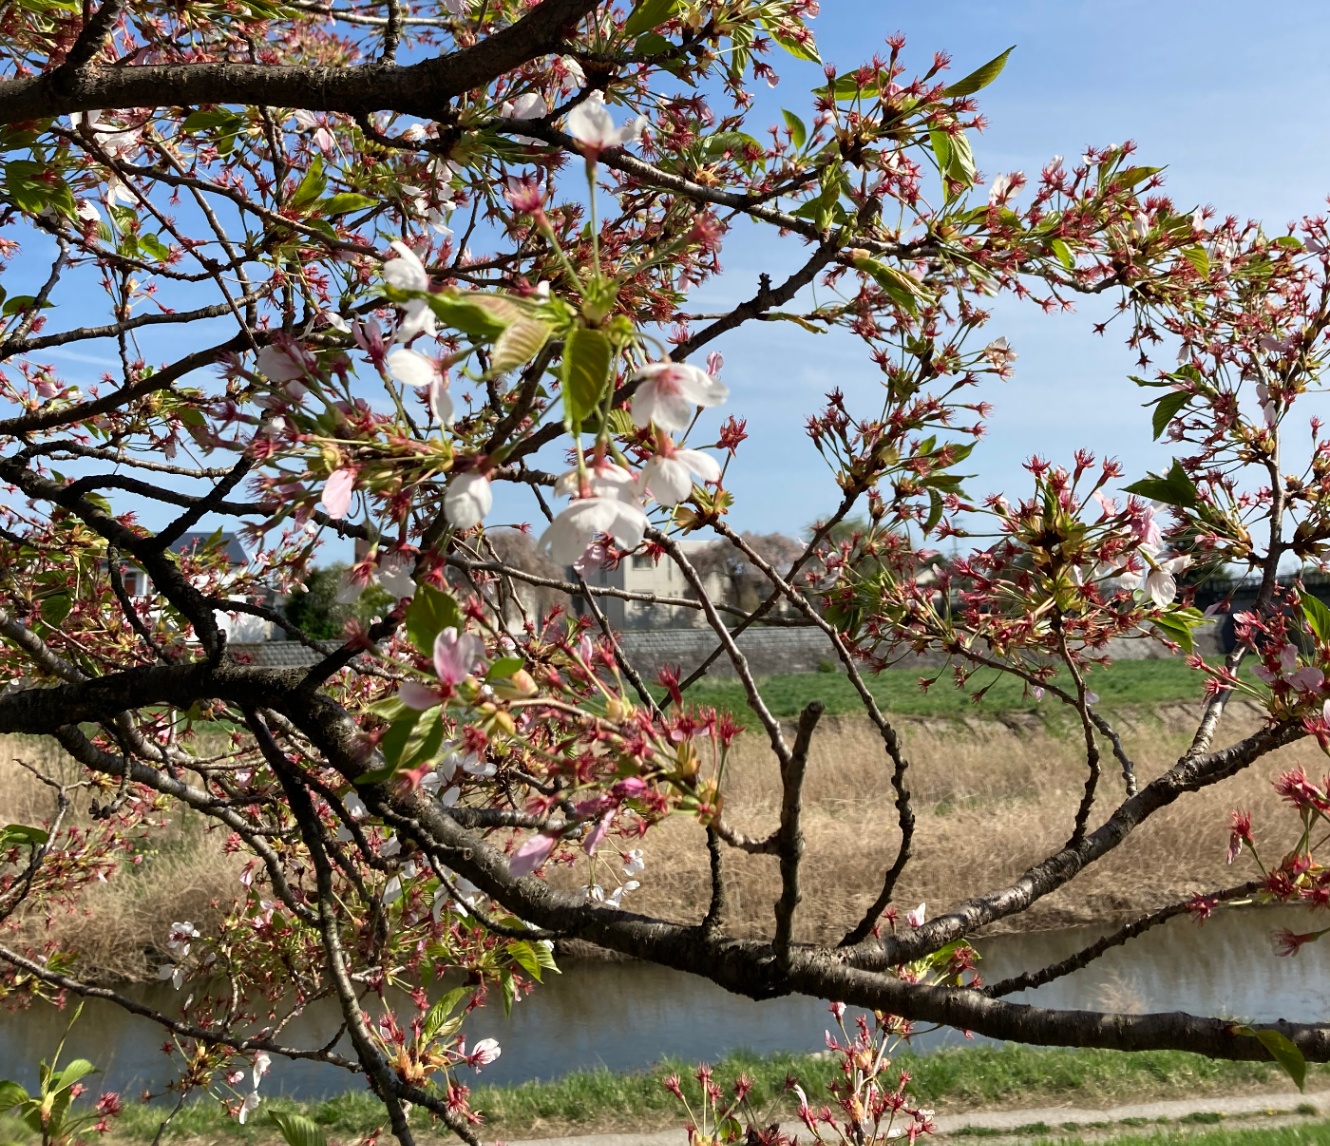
[{"x": 769, "y": 650}]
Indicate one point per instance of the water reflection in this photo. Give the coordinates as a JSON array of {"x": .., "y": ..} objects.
[{"x": 629, "y": 1015}]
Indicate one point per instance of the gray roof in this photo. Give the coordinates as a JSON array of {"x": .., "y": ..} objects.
[
  {"x": 197, "y": 540},
  {"x": 280, "y": 654}
]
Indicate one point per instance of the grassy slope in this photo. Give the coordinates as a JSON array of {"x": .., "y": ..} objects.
[
  {"x": 588, "y": 1101},
  {"x": 897, "y": 691}
]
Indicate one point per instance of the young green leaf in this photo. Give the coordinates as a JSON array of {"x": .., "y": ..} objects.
[
  {"x": 980, "y": 78},
  {"x": 518, "y": 344},
  {"x": 1282, "y": 1050},
  {"x": 587, "y": 357},
  {"x": 1167, "y": 408},
  {"x": 649, "y": 14},
  {"x": 430, "y": 612},
  {"x": 297, "y": 1129}
]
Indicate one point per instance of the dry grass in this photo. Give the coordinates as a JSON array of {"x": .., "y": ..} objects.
[
  {"x": 991, "y": 798},
  {"x": 117, "y": 928}
]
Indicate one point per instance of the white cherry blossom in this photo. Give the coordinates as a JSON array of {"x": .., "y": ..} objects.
[
  {"x": 669, "y": 479},
  {"x": 668, "y": 394},
  {"x": 468, "y": 499},
  {"x": 591, "y": 124},
  {"x": 407, "y": 272},
  {"x": 568, "y": 535},
  {"x": 420, "y": 372}
]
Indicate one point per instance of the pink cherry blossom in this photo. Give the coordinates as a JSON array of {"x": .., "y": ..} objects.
[
  {"x": 337, "y": 492},
  {"x": 531, "y": 854},
  {"x": 456, "y": 655}
]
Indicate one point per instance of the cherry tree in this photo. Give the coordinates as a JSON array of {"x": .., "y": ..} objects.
[{"x": 352, "y": 268}]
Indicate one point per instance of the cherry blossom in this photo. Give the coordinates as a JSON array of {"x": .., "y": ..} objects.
[
  {"x": 337, "y": 491},
  {"x": 528, "y": 106},
  {"x": 411, "y": 368},
  {"x": 669, "y": 477},
  {"x": 573, "y": 529},
  {"x": 456, "y": 657},
  {"x": 468, "y": 499},
  {"x": 532, "y": 854},
  {"x": 406, "y": 272},
  {"x": 591, "y": 124},
  {"x": 668, "y": 394}
]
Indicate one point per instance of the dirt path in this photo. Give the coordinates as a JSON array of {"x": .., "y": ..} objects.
[{"x": 1048, "y": 1120}]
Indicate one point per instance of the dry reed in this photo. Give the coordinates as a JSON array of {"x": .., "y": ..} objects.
[
  {"x": 991, "y": 797},
  {"x": 118, "y": 928}
]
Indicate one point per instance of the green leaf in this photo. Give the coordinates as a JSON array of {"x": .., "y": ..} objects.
[
  {"x": 11, "y": 1095},
  {"x": 651, "y": 44},
  {"x": 440, "y": 1012},
  {"x": 1063, "y": 253},
  {"x": 36, "y": 187},
  {"x": 504, "y": 667},
  {"x": 297, "y": 1129},
  {"x": 21, "y": 302},
  {"x": 1130, "y": 176},
  {"x": 962, "y": 167},
  {"x": 78, "y": 1069},
  {"x": 394, "y": 742},
  {"x": 734, "y": 142},
  {"x": 902, "y": 288},
  {"x": 430, "y": 612},
  {"x": 941, "y": 142},
  {"x": 1282, "y": 1050},
  {"x": 799, "y": 49},
  {"x": 980, "y": 78},
  {"x": 1199, "y": 258},
  {"x": 227, "y": 121},
  {"x": 798, "y": 132},
  {"x": 650, "y": 14},
  {"x": 1166, "y": 409},
  {"x": 20, "y": 835},
  {"x": 585, "y": 371},
  {"x": 518, "y": 344},
  {"x": 1317, "y": 616},
  {"x": 346, "y": 201},
  {"x": 155, "y": 247},
  {"x": 484, "y": 316},
  {"x": 1175, "y": 630},
  {"x": 1173, "y": 488},
  {"x": 311, "y": 188}
]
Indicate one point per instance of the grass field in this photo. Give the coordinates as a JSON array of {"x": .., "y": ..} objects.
[
  {"x": 897, "y": 691},
  {"x": 967, "y": 1079}
]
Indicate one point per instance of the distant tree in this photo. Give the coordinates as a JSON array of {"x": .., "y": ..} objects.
[
  {"x": 742, "y": 569},
  {"x": 318, "y": 612}
]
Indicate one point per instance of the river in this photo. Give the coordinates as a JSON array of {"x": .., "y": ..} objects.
[{"x": 627, "y": 1015}]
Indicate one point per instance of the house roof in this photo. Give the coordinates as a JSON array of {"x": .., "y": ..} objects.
[{"x": 198, "y": 540}]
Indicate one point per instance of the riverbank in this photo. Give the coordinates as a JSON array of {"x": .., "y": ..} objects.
[
  {"x": 993, "y": 791},
  {"x": 958, "y": 1081}
]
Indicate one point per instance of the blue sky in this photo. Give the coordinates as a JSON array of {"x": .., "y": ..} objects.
[{"x": 1228, "y": 96}]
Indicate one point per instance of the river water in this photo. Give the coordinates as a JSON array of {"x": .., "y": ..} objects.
[{"x": 627, "y": 1015}]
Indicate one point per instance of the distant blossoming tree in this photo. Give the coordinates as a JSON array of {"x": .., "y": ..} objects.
[{"x": 383, "y": 272}]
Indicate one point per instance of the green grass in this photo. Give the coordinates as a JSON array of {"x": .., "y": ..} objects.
[
  {"x": 969, "y": 1078},
  {"x": 1306, "y": 1134},
  {"x": 1125, "y": 683}
]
